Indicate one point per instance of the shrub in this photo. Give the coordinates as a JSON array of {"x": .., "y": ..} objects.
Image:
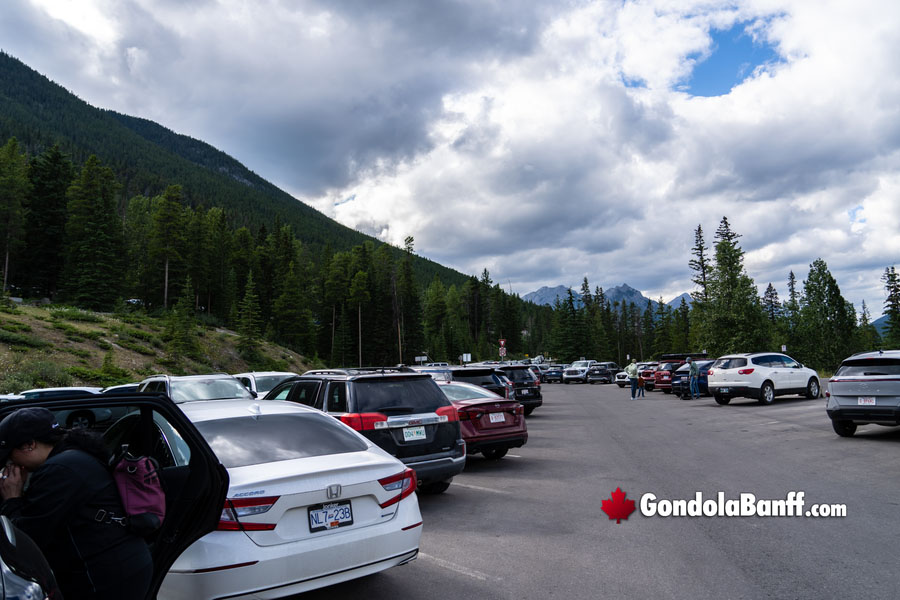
[
  {"x": 25, "y": 375},
  {"x": 17, "y": 339},
  {"x": 75, "y": 314}
]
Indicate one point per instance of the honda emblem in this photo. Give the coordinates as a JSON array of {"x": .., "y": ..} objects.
[{"x": 334, "y": 491}]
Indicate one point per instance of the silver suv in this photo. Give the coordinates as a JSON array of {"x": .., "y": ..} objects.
[
  {"x": 865, "y": 389},
  {"x": 184, "y": 388}
]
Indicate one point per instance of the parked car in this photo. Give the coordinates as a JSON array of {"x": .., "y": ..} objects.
[
  {"x": 124, "y": 388},
  {"x": 554, "y": 373},
  {"x": 195, "y": 488},
  {"x": 578, "y": 371},
  {"x": 662, "y": 377},
  {"x": 260, "y": 382},
  {"x": 183, "y": 388},
  {"x": 542, "y": 368},
  {"x": 621, "y": 379},
  {"x": 403, "y": 412},
  {"x": 487, "y": 377},
  {"x": 536, "y": 370},
  {"x": 73, "y": 419},
  {"x": 527, "y": 386},
  {"x": 602, "y": 372},
  {"x": 24, "y": 572},
  {"x": 865, "y": 390},
  {"x": 310, "y": 502},
  {"x": 648, "y": 374},
  {"x": 762, "y": 376},
  {"x": 490, "y": 424},
  {"x": 681, "y": 380}
]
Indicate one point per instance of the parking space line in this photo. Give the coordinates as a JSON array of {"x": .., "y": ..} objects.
[
  {"x": 479, "y": 488},
  {"x": 458, "y": 568}
]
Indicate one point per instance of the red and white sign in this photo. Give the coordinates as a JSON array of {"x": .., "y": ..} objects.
[{"x": 502, "y": 343}]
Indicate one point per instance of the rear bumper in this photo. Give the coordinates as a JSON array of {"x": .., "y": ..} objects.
[
  {"x": 291, "y": 568},
  {"x": 738, "y": 391},
  {"x": 430, "y": 469},
  {"x": 885, "y": 415},
  {"x": 491, "y": 442}
]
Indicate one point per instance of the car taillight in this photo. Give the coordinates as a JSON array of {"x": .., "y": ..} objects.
[
  {"x": 447, "y": 413},
  {"x": 237, "y": 508},
  {"x": 520, "y": 410},
  {"x": 827, "y": 394},
  {"x": 463, "y": 415},
  {"x": 404, "y": 483},
  {"x": 710, "y": 372},
  {"x": 744, "y": 371},
  {"x": 365, "y": 421}
]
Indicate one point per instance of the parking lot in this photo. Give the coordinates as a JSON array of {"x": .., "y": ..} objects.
[{"x": 531, "y": 525}]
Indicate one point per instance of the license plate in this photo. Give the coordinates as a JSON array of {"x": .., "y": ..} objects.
[
  {"x": 330, "y": 516},
  {"x": 724, "y": 390},
  {"x": 413, "y": 433},
  {"x": 498, "y": 418},
  {"x": 525, "y": 392},
  {"x": 866, "y": 401}
]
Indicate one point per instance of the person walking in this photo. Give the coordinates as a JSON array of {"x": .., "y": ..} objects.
[
  {"x": 632, "y": 371},
  {"x": 72, "y": 508},
  {"x": 640, "y": 386},
  {"x": 694, "y": 377}
]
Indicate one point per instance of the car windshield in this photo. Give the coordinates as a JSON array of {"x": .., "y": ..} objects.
[
  {"x": 264, "y": 383},
  {"x": 481, "y": 378},
  {"x": 519, "y": 375},
  {"x": 870, "y": 367},
  {"x": 407, "y": 394},
  {"x": 464, "y": 392},
  {"x": 580, "y": 364},
  {"x": 730, "y": 363},
  {"x": 208, "y": 389},
  {"x": 253, "y": 440}
]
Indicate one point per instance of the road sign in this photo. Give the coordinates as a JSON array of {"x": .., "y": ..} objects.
[
  {"x": 502, "y": 343},
  {"x": 421, "y": 359},
  {"x": 467, "y": 357},
  {"x": 502, "y": 351}
]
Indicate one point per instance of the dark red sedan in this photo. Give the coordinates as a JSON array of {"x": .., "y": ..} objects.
[{"x": 490, "y": 424}]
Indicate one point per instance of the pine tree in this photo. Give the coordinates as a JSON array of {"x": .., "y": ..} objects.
[
  {"x": 51, "y": 174},
  {"x": 249, "y": 323},
  {"x": 14, "y": 189},
  {"x": 292, "y": 320},
  {"x": 701, "y": 266},
  {"x": 359, "y": 295},
  {"x": 182, "y": 324},
  {"x": 892, "y": 307},
  {"x": 827, "y": 322},
  {"x": 93, "y": 271},
  {"x": 771, "y": 304},
  {"x": 167, "y": 235},
  {"x": 435, "y": 313},
  {"x": 867, "y": 337}
]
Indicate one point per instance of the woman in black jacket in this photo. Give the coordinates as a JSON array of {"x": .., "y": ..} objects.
[{"x": 71, "y": 508}]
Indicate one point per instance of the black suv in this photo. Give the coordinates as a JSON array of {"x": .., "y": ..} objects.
[
  {"x": 403, "y": 412},
  {"x": 487, "y": 377},
  {"x": 528, "y": 387}
]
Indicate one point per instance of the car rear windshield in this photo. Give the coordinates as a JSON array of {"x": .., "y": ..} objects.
[
  {"x": 399, "y": 396},
  {"x": 254, "y": 440},
  {"x": 870, "y": 367},
  {"x": 580, "y": 364},
  {"x": 519, "y": 375},
  {"x": 265, "y": 383},
  {"x": 464, "y": 392},
  {"x": 668, "y": 366},
  {"x": 481, "y": 378},
  {"x": 730, "y": 363},
  {"x": 208, "y": 389}
]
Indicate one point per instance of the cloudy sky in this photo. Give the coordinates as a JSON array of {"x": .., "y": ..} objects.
[{"x": 545, "y": 141}]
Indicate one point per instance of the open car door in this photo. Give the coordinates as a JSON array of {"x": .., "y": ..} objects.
[{"x": 194, "y": 480}]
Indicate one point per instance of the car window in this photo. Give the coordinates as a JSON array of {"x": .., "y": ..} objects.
[
  {"x": 790, "y": 362},
  {"x": 521, "y": 375},
  {"x": 155, "y": 387},
  {"x": 282, "y": 392},
  {"x": 265, "y": 383},
  {"x": 869, "y": 367},
  {"x": 208, "y": 389},
  {"x": 253, "y": 440},
  {"x": 462, "y": 392},
  {"x": 246, "y": 381},
  {"x": 581, "y": 364},
  {"x": 164, "y": 442},
  {"x": 478, "y": 378},
  {"x": 729, "y": 363},
  {"x": 401, "y": 395},
  {"x": 305, "y": 392},
  {"x": 337, "y": 397}
]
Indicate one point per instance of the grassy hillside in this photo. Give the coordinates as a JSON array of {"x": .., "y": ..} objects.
[{"x": 60, "y": 346}]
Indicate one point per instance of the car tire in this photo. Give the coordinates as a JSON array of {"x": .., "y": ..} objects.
[
  {"x": 82, "y": 419},
  {"x": 529, "y": 410},
  {"x": 437, "y": 487},
  {"x": 566, "y": 381},
  {"x": 767, "y": 393},
  {"x": 844, "y": 428},
  {"x": 621, "y": 385},
  {"x": 722, "y": 400},
  {"x": 495, "y": 453},
  {"x": 812, "y": 388},
  {"x": 667, "y": 390}
]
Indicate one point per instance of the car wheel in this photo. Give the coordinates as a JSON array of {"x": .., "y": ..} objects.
[
  {"x": 621, "y": 385},
  {"x": 812, "y": 388},
  {"x": 80, "y": 420},
  {"x": 844, "y": 428},
  {"x": 438, "y": 487},
  {"x": 720, "y": 399},
  {"x": 495, "y": 453},
  {"x": 566, "y": 381},
  {"x": 767, "y": 393},
  {"x": 668, "y": 391},
  {"x": 529, "y": 410},
  {"x": 584, "y": 380}
]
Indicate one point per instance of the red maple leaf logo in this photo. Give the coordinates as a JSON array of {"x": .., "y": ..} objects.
[{"x": 617, "y": 507}]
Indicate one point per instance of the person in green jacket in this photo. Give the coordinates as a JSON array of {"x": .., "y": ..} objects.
[{"x": 632, "y": 371}]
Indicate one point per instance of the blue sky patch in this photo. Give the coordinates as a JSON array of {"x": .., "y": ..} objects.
[{"x": 734, "y": 57}]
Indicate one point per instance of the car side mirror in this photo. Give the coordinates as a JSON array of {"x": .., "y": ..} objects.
[{"x": 254, "y": 394}]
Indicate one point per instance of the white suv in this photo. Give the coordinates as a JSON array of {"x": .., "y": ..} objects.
[
  {"x": 760, "y": 375},
  {"x": 578, "y": 371},
  {"x": 865, "y": 389}
]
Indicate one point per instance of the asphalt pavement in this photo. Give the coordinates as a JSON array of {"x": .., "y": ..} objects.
[{"x": 531, "y": 526}]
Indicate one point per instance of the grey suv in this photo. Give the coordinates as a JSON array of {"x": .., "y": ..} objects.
[
  {"x": 403, "y": 412},
  {"x": 865, "y": 389}
]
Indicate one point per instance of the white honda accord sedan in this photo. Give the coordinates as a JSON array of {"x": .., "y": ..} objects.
[{"x": 310, "y": 503}]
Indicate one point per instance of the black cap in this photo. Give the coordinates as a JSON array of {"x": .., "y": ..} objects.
[{"x": 22, "y": 426}]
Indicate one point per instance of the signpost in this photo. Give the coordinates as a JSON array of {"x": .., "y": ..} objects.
[
  {"x": 502, "y": 348},
  {"x": 421, "y": 359}
]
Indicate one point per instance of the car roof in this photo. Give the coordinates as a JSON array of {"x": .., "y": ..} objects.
[
  {"x": 189, "y": 377},
  {"x": 874, "y": 354},
  {"x": 92, "y": 390},
  {"x": 209, "y": 410},
  {"x": 264, "y": 374}
]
